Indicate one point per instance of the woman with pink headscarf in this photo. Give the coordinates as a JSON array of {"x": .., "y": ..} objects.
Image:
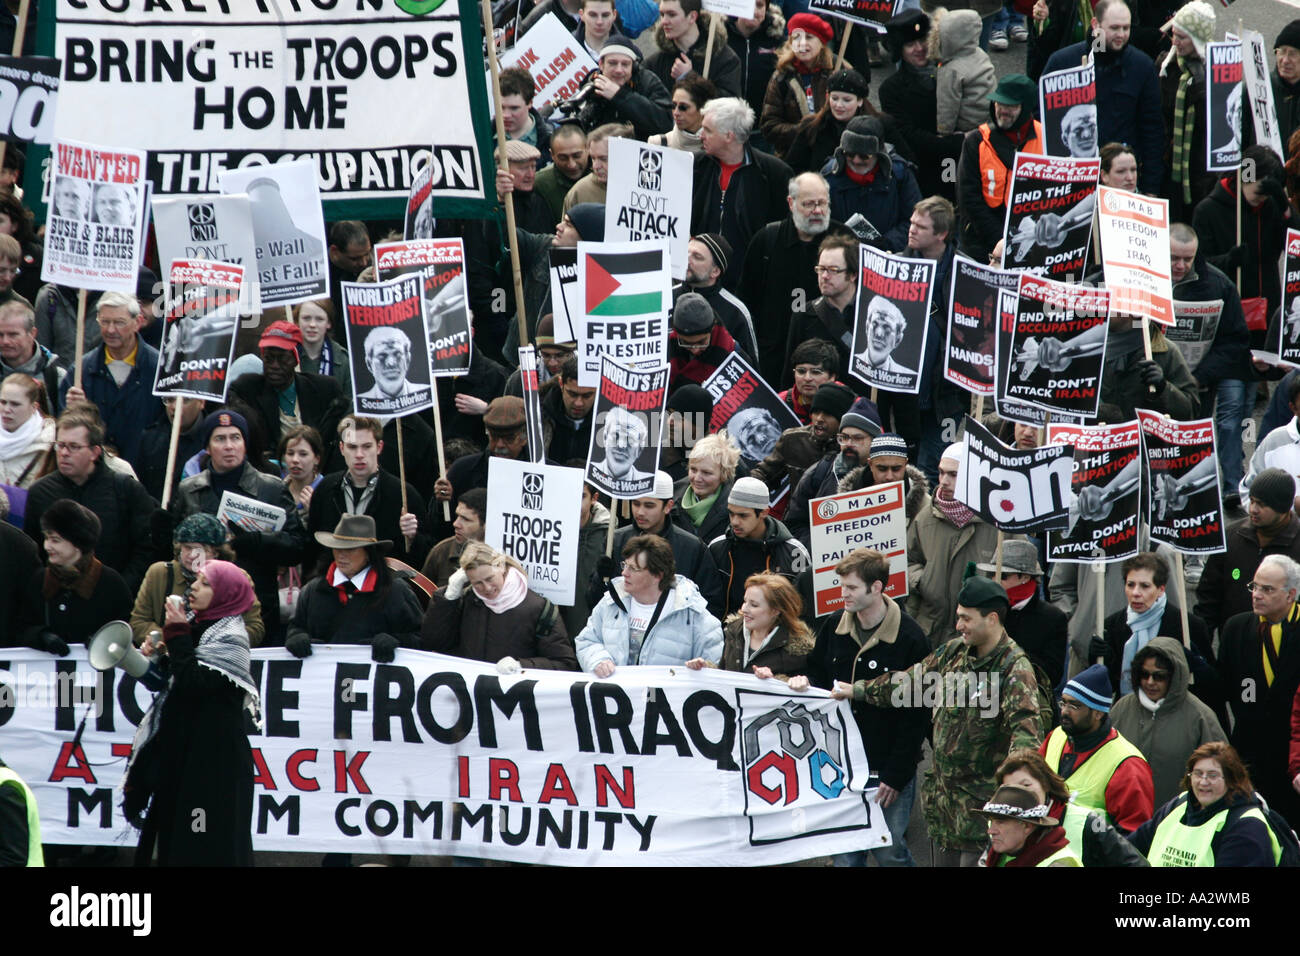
[{"x": 191, "y": 750}]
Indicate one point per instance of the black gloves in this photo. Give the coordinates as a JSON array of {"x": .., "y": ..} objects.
[
  {"x": 51, "y": 643},
  {"x": 382, "y": 648},
  {"x": 1272, "y": 189},
  {"x": 161, "y": 526},
  {"x": 1235, "y": 258},
  {"x": 244, "y": 542},
  {"x": 299, "y": 645},
  {"x": 607, "y": 567},
  {"x": 1098, "y": 649},
  {"x": 1152, "y": 375}
]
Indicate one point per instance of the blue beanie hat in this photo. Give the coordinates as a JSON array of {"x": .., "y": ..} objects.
[{"x": 1092, "y": 688}]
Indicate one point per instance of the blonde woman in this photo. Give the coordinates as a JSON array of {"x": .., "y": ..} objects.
[
  {"x": 487, "y": 613},
  {"x": 702, "y": 500},
  {"x": 25, "y": 434}
]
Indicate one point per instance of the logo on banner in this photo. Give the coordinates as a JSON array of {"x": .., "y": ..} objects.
[
  {"x": 828, "y": 509},
  {"x": 790, "y": 748},
  {"x": 651, "y": 175},
  {"x": 531, "y": 495},
  {"x": 203, "y": 221}
]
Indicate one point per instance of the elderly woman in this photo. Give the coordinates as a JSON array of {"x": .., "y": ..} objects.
[
  {"x": 319, "y": 353},
  {"x": 357, "y": 600},
  {"x": 25, "y": 434},
  {"x": 702, "y": 501},
  {"x": 1216, "y": 821},
  {"x": 1119, "y": 167},
  {"x": 74, "y": 595},
  {"x": 689, "y": 96},
  {"x": 487, "y": 613},
  {"x": 797, "y": 88},
  {"x": 191, "y": 755},
  {"x": 198, "y": 539},
  {"x": 1023, "y": 832},
  {"x": 767, "y": 637}
]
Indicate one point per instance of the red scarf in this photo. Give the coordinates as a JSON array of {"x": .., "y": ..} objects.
[
  {"x": 1022, "y": 592},
  {"x": 1040, "y": 845},
  {"x": 862, "y": 179},
  {"x": 345, "y": 589}
]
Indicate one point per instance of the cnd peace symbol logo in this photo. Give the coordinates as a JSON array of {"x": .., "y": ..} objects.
[{"x": 531, "y": 496}]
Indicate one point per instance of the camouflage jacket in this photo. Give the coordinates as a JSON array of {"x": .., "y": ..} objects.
[{"x": 983, "y": 709}]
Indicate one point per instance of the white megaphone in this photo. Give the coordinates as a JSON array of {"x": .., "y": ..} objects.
[{"x": 112, "y": 647}]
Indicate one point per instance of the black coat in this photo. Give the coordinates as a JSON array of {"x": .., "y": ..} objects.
[
  {"x": 914, "y": 109},
  {"x": 466, "y": 627},
  {"x": 566, "y": 442},
  {"x": 19, "y": 560},
  {"x": 200, "y": 757},
  {"x": 1041, "y": 630},
  {"x": 643, "y": 101},
  {"x": 982, "y": 224},
  {"x": 152, "y": 467},
  {"x": 486, "y": 379},
  {"x": 715, "y": 521},
  {"x": 1229, "y": 356},
  {"x": 755, "y": 196},
  {"x": 1286, "y": 98},
  {"x": 320, "y": 403},
  {"x": 1263, "y": 233},
  {"x": 1221, "y": 593},
  {"x": 74, "y": 613},
  {"x": 124, "y": 510},
  {"x": 1261, "y": 713},
  {"x": 779, "y": 268},
  {"x": 328, "y": 505},
  {"x": 326, "y": 620},
  {"x": 785, "y": 654},
  {"x": 757, "y": 55},
  {"x": 891, "y": 736}
]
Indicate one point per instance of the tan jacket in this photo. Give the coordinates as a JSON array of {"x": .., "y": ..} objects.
[{"x": 149, "y": 611}]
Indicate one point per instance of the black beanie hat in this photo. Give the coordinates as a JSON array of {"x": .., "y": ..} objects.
[
  {"x": 834, "y": 399},
  {"x": 1274, "y": 488},
  {"x": 848, "y": 81},
  {"x": 692, "y": 399},
  {"x": 1290, "y": 36},
  {"x": 74, "y": 524}
]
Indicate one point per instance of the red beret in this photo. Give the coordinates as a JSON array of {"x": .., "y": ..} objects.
[{"x": 811, "y": 23}]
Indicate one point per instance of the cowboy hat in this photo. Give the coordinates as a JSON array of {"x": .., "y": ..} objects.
[{"x": 353, "y": 531}]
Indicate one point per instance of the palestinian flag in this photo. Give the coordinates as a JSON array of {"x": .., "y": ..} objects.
[{"x": 626, "y": 283}]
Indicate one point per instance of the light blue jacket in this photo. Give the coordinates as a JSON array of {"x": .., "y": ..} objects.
[{"x": 685, "y": 630}]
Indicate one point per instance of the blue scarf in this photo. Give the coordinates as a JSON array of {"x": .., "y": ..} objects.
[{"x": 1144, "y": 627}]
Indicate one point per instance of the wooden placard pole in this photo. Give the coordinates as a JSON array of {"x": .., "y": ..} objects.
[
  {"x": 708, "y": 47},
  {"x": 504, "y": 165},
  {"x": 844, "y": 45},
  {"x": 442, "y": 454},
  {"x": 979, "y": 409},
  {"x": 613, "y": 525},
  {"x": 169, "y": 476},
  {"x": 998, "y": 574},
  {"x": 1099, "y": 573},
  {"x": 81, "y": 337},
  {"x": 401, "y": 459},
  {"x": 17, "y": 50}
]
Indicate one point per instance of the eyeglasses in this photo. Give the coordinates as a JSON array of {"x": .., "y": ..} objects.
[
  {"x": 1064, "y": 704},
  {"x": 1207, "y": 775},
  {"x": 70, "y": 446},
  {"x": 814, "y": 203},
  {"x": 808, "y": 371},
  {"x": 1262, "y": 588},
  {"x": 627, "y": 566},
  {"x": 828, "y": 270},
  {"x": 683, "y": 107}
]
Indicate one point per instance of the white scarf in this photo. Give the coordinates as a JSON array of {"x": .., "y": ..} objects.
[
  {"x": 1148, "y": 703},
  {"x": 15, "y": 442}
]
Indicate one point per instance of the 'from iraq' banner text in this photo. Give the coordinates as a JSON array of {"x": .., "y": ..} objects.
[{"x": 436, "y": 755}]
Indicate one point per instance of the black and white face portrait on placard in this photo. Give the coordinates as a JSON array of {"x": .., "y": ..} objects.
[
  {"x": 114, "y": 204},
  {"x": 886, "y": 329},
  {"x": 625, "y": 438},
  {"x": 755, "y": 432},
  {"x": 1079, "y": 130},
  {"x": 72, "y": 198},
  {"x": 388, "y": 359}
]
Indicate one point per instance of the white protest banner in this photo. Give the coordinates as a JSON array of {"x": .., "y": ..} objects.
[
  {"x": 289, "y": 229},
  {"x": 29, "y": 94},
  {"x": 198, "y": 337},
  {"x": 1194, "y": 328},
  {"x": 359, "y": 90},
  {"x": 1223, "y": 103},
  {"x": 441, "y": 263},
  {"x": 624, "y": 291},
  {"x": 649, "y": 197},
  {"x": 215, "y": 227},
  {"x": 534, "y": 518},
  {"x": 1014, "y": 489},
  {"x": 556, "y": 60},
  {"x": 970, "y": 352},
  {"x": 625, "y": 437},
  {"x": 1049, "y": 214},
  {"x": 388, "y": 346},
  {"x": 1103, "y": 493},
  {"x": 1067, "y": 104},
  {"x": 741, "y": 9},
  {"x": 873, "y": 517},
  {"x": 1055, "y": 353},
  {"x": 748, "y": 408},
  {"x": 1181, "y": 475},
  {"x": 249, "y": 513},
  {"x": 564, "y": 293},
  {"x": 96, "y": 218},
  {"x": 442, "y": 756},
  {"x": 1259, "y": 89},
  {"x": 533, "y": 422},
  {"x": 1289, "y": 327},
  {"x": 891, "y": 321},
  {"x": 1134, "y": 234}
]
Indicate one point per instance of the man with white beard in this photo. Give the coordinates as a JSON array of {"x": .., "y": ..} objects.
[{"x": 780, "y": 276}]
